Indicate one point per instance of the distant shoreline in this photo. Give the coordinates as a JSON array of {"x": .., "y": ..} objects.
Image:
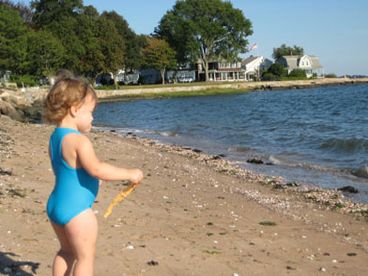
[
  {"x": 204, "y": 89},
  {"x": 26, "y": 105}
]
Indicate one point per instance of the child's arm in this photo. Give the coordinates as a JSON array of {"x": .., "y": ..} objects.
[{"x": 102, "y": 170}]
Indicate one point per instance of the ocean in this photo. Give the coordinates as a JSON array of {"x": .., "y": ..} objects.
[{"x": 316, "y": 136}]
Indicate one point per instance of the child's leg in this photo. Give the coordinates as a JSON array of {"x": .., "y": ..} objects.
[
  {"x": 64, "y": 259},
  {"x": 82, "y": 235}
]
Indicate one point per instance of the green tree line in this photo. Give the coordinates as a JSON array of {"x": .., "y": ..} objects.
[{"x": 39, "y": 39}]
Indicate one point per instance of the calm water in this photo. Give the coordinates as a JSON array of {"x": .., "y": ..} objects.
[{"x": 317, "y": 136}]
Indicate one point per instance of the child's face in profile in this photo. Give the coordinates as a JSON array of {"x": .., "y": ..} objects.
[{"x": 83, "y": 114}]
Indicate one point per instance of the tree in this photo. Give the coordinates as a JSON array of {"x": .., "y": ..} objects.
[
  {"x": 275, "y": 72},
  {"x": 47, "y": 11},
  {"x": 206, "y": 30},
  {"x": 112, "y": 45},
  {"x": 65, "y": 29},
  {"x": 91, "y": 60},
  {"x": 278, "y": 70},
  {"x": 284, "y": 50},
  {"x": 12, "y": 40},
  {"x": 158, "y": 55},
  {"x": 133, "y": 43},
  {"x": 92, "y": 43},
  {"x": 24, "y": 11},
  {"x": 45, "y": 54}
]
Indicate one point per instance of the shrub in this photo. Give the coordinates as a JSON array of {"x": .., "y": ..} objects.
[
  {"x": 270, "y": 77},
  {"x": 26, "y": 80},
  {"x": 330, "y": 76},
  {"x": 298, "y": 73}
]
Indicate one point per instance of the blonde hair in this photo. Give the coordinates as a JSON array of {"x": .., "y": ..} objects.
[{"x": 64, "y": 94}]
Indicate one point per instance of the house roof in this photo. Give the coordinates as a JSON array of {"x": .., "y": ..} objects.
[
  {"x": 315, "y": 62},
  {"x": 248, "y": 60},
  {"x": 292, "y": 62}
]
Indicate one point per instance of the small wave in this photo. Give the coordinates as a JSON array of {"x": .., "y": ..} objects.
[
  {"x": 345, "y": 145},
  {"x": 167, "y": 133},
  {"x": 282, "y": 161},
  {"x": 361, "y": 172},
  {"x": 274, "y": 160}
]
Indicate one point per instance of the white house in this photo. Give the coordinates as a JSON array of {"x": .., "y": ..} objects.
[
  {"x": 254, "y": 66},
  {"x": 222, "y": 71},
  {"x": 310, "y": 64}
]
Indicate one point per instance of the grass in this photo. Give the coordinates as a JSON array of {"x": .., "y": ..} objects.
[
  {"x": 199, "y": 83},
  {"x": 177, "y": 94}
]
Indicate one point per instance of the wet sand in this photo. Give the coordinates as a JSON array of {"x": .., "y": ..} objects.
[{"x": 193, "y": 215}]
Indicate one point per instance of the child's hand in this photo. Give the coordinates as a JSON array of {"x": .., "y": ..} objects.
[{"x": 136, "y": 176}]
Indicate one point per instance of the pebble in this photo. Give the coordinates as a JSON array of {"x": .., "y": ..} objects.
[{"x": 152, "y": 263}]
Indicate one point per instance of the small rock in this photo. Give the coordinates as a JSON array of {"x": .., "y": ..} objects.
[
  {"x": 267, "y": 223},
  {"x": 349, "y": 189},
  {"x": 6, "y": 171},
  {"x": 292, "y": 184},
  {"x": 351, "y": 254},
  {"x": 255, "y": 161},
  {"x": 152, "y": 263},
  {"x": 322, "y": 269}
]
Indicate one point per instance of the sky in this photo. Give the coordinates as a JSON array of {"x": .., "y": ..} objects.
[{"x": 336, "y": 31}]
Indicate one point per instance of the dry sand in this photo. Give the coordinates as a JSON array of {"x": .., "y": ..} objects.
[{"x": 188, "y": 217}]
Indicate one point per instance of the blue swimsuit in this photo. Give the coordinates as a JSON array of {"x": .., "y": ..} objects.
[{"x": 75, "y": 190}]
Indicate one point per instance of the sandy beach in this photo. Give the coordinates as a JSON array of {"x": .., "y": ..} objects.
[{"x": 193, "y": 215}]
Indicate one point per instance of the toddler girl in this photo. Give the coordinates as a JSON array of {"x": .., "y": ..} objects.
[{"x": 70, "y": 104}]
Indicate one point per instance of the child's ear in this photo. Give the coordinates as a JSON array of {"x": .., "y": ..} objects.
[{"x": 73, "y": 110}]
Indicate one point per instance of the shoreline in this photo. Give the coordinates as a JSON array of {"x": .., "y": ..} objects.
[
  {"x": 194, "y": 214},
  {"x": 27, "y": 105},
  {"x": 206, "y": 89},
  {"x": 329, "y": 198}
]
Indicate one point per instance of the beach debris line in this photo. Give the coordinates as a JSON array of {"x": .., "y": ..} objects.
[
  {"x": 329, "y": 198},
  {"x": 119, "y": 198}
]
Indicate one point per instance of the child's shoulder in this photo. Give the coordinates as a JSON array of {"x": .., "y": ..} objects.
[{"x": 76, "y": 139}]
